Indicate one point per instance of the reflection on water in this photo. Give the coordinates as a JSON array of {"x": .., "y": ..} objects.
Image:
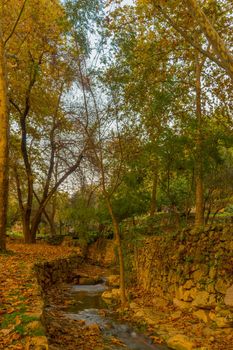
[
  {"x": 88, "y": 297},
  {"x": 90, "y": 289},
  {"x": 88, "y": 307}
]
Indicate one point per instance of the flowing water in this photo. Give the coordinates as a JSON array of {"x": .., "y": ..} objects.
[{"x": 90, "y": 307}]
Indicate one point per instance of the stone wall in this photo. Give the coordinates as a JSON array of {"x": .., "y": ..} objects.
[
  {"x": 60, "y": 270},
  {"x": 102, "y": 252},
  {"x": 191, "y": 269},
  {"x": 48, "y": 274}
]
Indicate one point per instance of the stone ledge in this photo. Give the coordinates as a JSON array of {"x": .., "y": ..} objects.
[{"x": 48, "y": 274}]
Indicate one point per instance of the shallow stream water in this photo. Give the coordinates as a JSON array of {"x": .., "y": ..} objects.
[{"x": 91, "y": 308}]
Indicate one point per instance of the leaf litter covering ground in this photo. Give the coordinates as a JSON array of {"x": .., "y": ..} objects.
[
  {"x": 19, "y": 294},
  {"x": 19, "y": 299}
]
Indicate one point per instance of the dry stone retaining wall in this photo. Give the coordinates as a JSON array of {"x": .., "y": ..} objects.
[
  {"x": 191, "y": 269},
  {"x": 60, "y": 270},
  {"x": 102, "y": 252},
  {"x": 48, "y": 274}
]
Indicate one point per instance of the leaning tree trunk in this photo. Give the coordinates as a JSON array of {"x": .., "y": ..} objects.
[
  {"x": 35, "y": 223},
  {"x": 4, "y": 137},
  {"x": 52, "y": 217},
  {"x": 119, "y": 250},
  {"x": 51, "y": 222},
  {"x": 199, "y": 217}
]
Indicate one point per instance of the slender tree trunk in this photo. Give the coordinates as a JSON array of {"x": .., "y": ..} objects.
[
  {"x": 52, "y": 227},
  {"x": 24, "y": 211},
  {"x": 100, "y": 162},
  {"x": 208, "y": 215},
  {"x": 4, "y": 138},
  {"x": 50, "y": 221},
  {"x": 34, "y": 228},
  {"x": 52, "y": 217},
  {"x": 60, "y": 227},
  {"x": 199, "y": 217},
  {"x": 153, "y": 204},
  {"x": 116, "y": 229},
  {"x": 213, "y": 217}
]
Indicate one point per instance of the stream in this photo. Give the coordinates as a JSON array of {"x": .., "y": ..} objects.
[{"x": 91, "y": 308}]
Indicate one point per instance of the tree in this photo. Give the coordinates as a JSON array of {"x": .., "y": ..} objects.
[
  {"x": 160, "y": 80},
  {"x": 104, "y": 167},
  {"x": 146, "y": 61},
  {"x": 99, "y": 153},
  {"x": 58, "y": 161},
  {"x": 41, "y": 108},
  {"x": 199, "y": 217},
  {"x": 105, "y": 153},
  {"x": 39, "y": 114},
  {"x": 4, "y": 122},
  {"x": 4, "y": 131}
]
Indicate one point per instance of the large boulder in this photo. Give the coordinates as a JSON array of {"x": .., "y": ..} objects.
[
  {"x": 113, "y": 294},
  {"x": 181, "y": 304},
  {"x": 83, "y": 279},
  {"x": 228, "y": 300},
  {"x": 201, "y": 315},
  {"x": 221, "y": 286},
  {"x": 201, "y": 300},
  {"x": 180, "y": 342},
  {"x": 113, "y": 281}
]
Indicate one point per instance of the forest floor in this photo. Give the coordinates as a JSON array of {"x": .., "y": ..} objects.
[
  {"x": 19, "y": 293},
  {"x": 20, "y": 297}
]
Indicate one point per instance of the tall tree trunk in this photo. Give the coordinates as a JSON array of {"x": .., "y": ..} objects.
[
  {"x": 199, "y": 217},
  {"x": 24, "y": 212},
  {"x": 50, "y": 221},
  {"x": 34, "y": 228},
  {"x": 53, "y": 231},
  {"x": 116, "y": 229},
  {"x": 27, "y": 230},
  {"x": 4, "y": 138},
  {"x": 153, "y": 203},
  {"x": 52, "y": 216}
]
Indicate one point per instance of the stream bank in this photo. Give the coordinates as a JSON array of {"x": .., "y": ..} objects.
[
  {"x": 183, "y": 285},
  {"x": 154, "y": 303},
  {"x": 188, "y": 275},
  {"x": 77, "y": 317}
]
